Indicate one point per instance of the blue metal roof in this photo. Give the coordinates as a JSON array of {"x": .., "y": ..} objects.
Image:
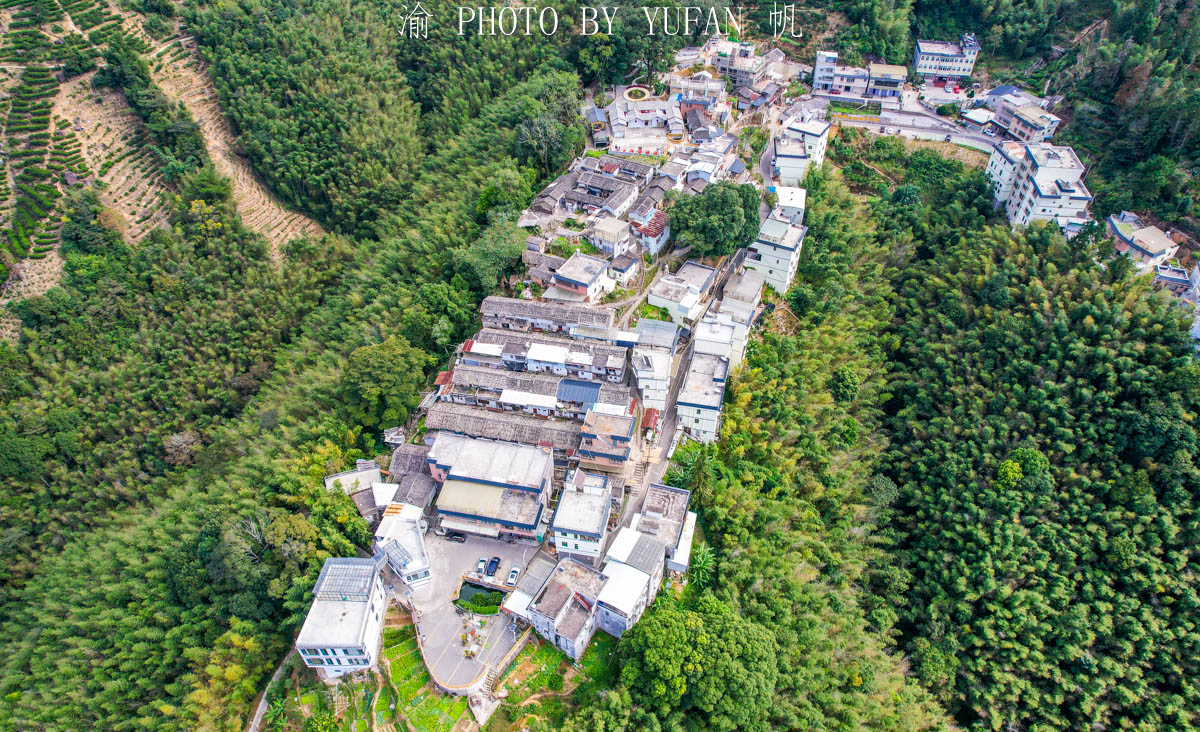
[{"x": 578, "y": 392}]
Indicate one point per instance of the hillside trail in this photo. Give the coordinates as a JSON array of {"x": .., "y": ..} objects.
[{"x": 184, "y": 78}]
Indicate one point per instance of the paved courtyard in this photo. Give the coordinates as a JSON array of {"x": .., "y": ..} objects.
[{"x": 440, "y": 623}]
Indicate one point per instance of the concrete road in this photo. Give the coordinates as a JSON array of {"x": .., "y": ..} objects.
[{"x": 438, "y": 620}]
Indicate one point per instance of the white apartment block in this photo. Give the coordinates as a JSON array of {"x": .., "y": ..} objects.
[
  {"x": 340, "y": 634},
  {"x": 580, "y": 521},
  {"x": 776, "y": 251},
  {"x": 800, "y": 145},
  {"x": 1044, "y": 184},
  {"x": 946, "y": 59},
  {"x": 699, "y": 403},
  {"x": 652, "y": 370},
  {"x": 830, "y": 76},
  {"x": 1002, "y": 169}
]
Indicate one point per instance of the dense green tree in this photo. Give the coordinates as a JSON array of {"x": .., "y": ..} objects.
[
  {"x": 719, "y": 220},
  {"x": 382, "y": 382}
]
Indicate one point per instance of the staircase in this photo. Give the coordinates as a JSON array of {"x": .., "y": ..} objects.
[
  {"x": 489, "y": 684},
  {"x": 639, "y": 473}
]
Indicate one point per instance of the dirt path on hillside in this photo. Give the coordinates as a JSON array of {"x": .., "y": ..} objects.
[{"x": 186, "y": 79}]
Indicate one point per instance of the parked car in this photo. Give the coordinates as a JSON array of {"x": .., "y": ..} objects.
[
  {"x": 990, "y": 132},
  {"x": 481, "y": 565},
  {"x": 440, "y": 531},
  {"x": 492, "y": 566},
  {"x": 512, "y": 576},
  {"x": 456, "y": 537}
]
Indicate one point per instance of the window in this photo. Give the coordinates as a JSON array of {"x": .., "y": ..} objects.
[
  {"x": 324, "y": 651},
  {"x": 316, "y": 662}
]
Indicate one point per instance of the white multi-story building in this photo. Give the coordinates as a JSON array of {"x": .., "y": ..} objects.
[
  {"x": 791, "y": 201},
  {"x": 563, "y": 611},
  {"x": 652, "y": 370},
  {"x": 830, "y": 76},
  {"x": 946, "y": 59},
  {"x": 580, "y": 521},
  {"x": 776, "y": 251},
  {"x": 400, "y": 539},
  {"x": 699, "y": 402},
  {"x": 1002, "y": 169},
  {"x": 1043, "y": 184},
  {"x": 634, "y": 568},
  {"x": 340, "y": 634},
  {"x": 800, "y": 145}
]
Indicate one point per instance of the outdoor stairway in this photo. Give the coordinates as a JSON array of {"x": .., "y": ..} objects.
[
  {"x": 489, "y": 684},
  {"x": 638, "y": 474}
]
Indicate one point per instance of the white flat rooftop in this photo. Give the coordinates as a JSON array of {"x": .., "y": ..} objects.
[
  {"x": 625, "y": 586},
  {"x": 581, "y": 512},
  {"x": 333, "y": 623}
]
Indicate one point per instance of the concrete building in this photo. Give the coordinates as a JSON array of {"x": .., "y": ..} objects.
[
  {"x": 1148, "y": 246},
  {"x": 946, "y": 59},
  {"x": 800, "y": 145},
  {"x": 1005, "y": 160},
  {"x": 607, "y": 439},
  {"x": 580, "y": 522},
  {"x": 834, "y": 78},
  {"x": 1021, "y": 114},
  {"x": 364, "y": 475},
  {"x": 1032, "y": 124},
  {"x": 886, "y": 80},
  {"x": 624, "y": 269},
  {"x": 775, "y": 253},
  {"x": 790, "y": 201},
  {"x": 400, "y": 540},
  {"x": 582, "y": 278},
  {"x": 739, "y": 62},
  {"x": 699, "y": 403},
  {"x": 1043, "y": 184},
  {"x": 611, "y": 235},
  {"x": 340, "y": 634},
  {"x": 680, "y": 298},
  {"x": 666, "y": 518},
  {"x": 509, "y": 313},
  {"x": 634, "y": 569},
  {"x": 563, "y": 611},
  {"x": 489, "y": 487},
  {"x": 652, "y": 371}
]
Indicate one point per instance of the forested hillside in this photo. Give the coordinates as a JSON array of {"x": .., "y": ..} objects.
[
  {"x": 337, "y": 110},
  {"x": 787, "y": 499},
  {"x": 171, "y": 616},
  {"x": 1045, "y": 447}
]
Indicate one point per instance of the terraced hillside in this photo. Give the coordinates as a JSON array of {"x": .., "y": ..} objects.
[
  {"x": 181, "y": 74},
  {"x": 114, "y": 147}
]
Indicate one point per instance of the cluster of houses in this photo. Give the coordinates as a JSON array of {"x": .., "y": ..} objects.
[
  {"x": 708, "y": 83},
  {"x": 603, "y": 578}
]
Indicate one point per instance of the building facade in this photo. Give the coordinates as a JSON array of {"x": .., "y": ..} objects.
[
  {"x": 1045, "y": 183},
  {"x": 946, "y": 59},
  {"x": 775, "y": 253}
]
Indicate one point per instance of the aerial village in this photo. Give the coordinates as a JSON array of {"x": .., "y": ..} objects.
[{"x": 535, "y": 466}]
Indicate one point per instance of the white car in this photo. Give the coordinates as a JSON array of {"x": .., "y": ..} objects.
[
  {"x": 481, "y": 566},
  {"x": 990, "y": 132},
  {"x": 512, "y": 577}
]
